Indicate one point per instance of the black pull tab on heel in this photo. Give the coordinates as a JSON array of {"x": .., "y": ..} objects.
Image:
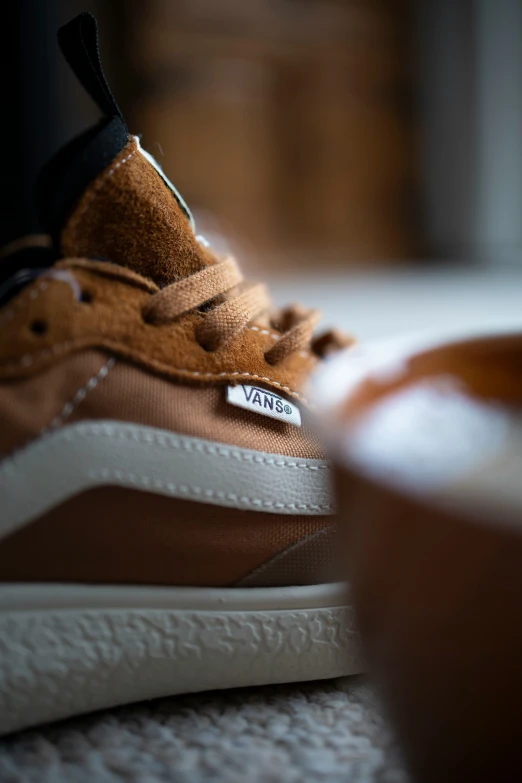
[
  {"x": 70, "y": 171},
  {"x": 78, "y": 41}
]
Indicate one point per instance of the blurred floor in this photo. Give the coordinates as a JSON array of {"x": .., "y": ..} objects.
[
  {"x": 381, "y": 304},
  {"x": 332, "y": 731}
]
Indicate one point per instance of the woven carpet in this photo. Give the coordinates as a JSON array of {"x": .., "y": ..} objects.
[{"x": 331, "y": 732}]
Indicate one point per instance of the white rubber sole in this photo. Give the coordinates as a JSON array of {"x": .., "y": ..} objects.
[{"x": 71, "y": 649}]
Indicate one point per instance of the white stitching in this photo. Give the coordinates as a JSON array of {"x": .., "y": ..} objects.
[
  {"x": 166, "y": 440},
  {"x": 9, "y": 314},
  {"x": 304, "y": 354},
  {"x": 247, "y": 375},
  {"x": 79, "y": 397},
  {"x": 264, "y": 331},
  {"x": 28, "y": 359},
  {"x": 132, "y": 478}
]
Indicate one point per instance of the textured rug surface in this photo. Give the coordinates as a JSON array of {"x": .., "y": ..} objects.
[{"x": 332, "y": 732}]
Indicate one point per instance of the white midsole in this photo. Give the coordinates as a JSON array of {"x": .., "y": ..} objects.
[
  {"x": 37, "y": 597},
  {"x": 71, "y": 649}
]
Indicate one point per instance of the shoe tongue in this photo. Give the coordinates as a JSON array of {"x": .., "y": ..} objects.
[
  {"x": 130, "y": 214},
  {"x": 103, "y": 196}
]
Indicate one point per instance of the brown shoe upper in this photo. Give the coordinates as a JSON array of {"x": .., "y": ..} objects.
[
  {"x": 75, "y": 345},
  {"x": 128, "y": 215}
]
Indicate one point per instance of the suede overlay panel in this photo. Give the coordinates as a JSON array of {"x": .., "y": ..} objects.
[
  {"x": 112, "y": 319},
  {"x": 129, "y": 216},
  {"x": 115, "y": 535}
]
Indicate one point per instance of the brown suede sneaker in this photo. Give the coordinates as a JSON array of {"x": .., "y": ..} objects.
[{"x": 166, "y": 514}]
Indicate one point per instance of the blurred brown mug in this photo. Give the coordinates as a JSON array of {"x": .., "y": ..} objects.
[{"x": 427, "y": 441}]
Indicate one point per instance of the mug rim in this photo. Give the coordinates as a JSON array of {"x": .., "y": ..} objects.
[{"x": 382, "y": 360}]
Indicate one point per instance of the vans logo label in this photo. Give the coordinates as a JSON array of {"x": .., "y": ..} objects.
[{"x": 265, "y": 402}]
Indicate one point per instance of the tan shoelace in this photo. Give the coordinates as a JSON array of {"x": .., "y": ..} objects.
[{"x": 244, "y": 303}]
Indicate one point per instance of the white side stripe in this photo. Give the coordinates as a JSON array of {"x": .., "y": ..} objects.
[{"x": 90, "y": 454}]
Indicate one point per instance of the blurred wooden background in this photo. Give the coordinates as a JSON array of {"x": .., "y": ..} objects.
[
  {"x": 309, "y": 131},
  {"x": 288, "y": 125}
]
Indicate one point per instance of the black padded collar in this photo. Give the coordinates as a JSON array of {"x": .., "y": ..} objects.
[{"x": 64, "y": 178}]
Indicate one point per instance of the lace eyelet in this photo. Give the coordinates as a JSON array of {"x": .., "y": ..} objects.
[
  {"x": 205, "y": 345},
  {"x": 38, "y": 327},
  {"x": 206, "y": 348},
  {"x": 86, "y": 297}
]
